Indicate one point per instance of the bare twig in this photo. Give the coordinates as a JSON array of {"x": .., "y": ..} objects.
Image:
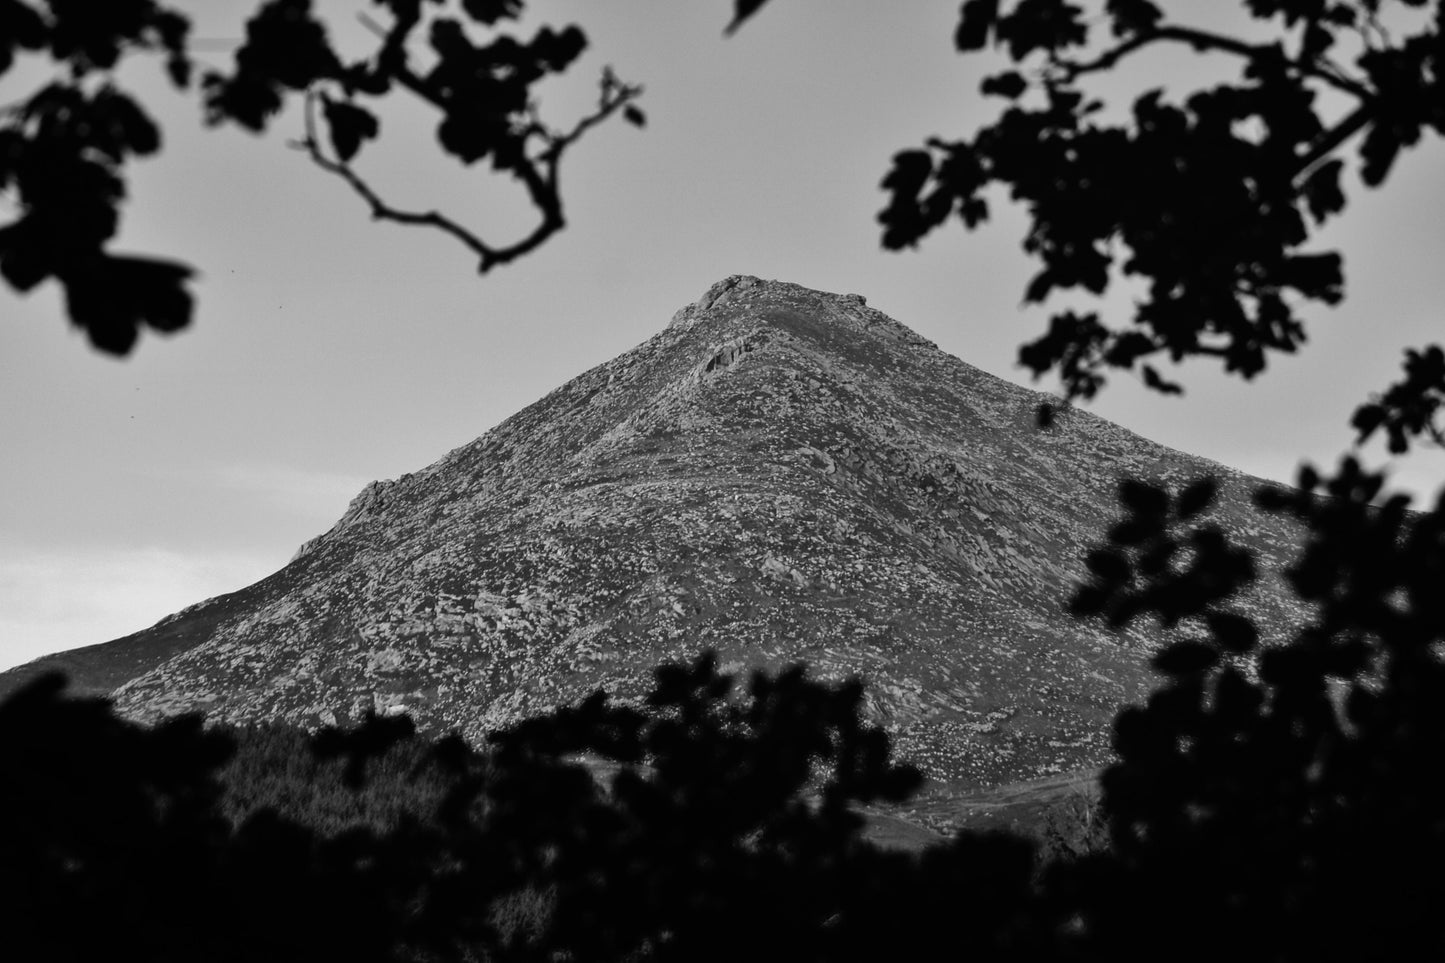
[
  {"x": 1323, "y": 69},
  {"x": 539, "y": 172},
  {"x": 1353, "y": 123},
  {"x": 538, "y": 168},
  {"x": 1202, "y": 40},
  {"x": 543, "y": 185},
  {"x": 380, "y": 210},
  {"x": 370, "y": 24},
  {"x": 1373, "y": 32}
]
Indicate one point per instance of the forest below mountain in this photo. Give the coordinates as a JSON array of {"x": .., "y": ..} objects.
[{"x": 722, "y": 824}]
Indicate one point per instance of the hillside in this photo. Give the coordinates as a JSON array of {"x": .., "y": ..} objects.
[{"x": 779, "y": 474}]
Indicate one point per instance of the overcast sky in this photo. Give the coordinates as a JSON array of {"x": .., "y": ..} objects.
[{"x": 328, "y": 351}]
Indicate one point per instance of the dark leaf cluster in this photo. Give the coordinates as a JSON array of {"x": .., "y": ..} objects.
[
  {"x": 374, "y": 844},
  {"x": 483, "y": 89},
  {"x": 63, "y": 153},
  {"x": 115, "y": 847},
  {"x": 1280, "y": 791},
  {"x": 1271, "y": 800},
  {"x": 1407, "y": 410},
  {"x": 286, "y": 49},
  {"x": 1154, "y": 568},
  {"x": 1210, "y": 201}
]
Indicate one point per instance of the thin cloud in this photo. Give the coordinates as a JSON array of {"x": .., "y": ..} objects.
[{"x": 60, "y": 600}]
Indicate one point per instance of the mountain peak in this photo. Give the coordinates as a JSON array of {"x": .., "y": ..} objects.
[
  {"x": 741, "y": 290},
  {"x": 742, "y": 286},
  {"x": 780, "y": 474}
]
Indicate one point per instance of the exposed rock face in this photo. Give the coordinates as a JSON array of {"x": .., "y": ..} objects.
[{"x": 780, "y": 474}]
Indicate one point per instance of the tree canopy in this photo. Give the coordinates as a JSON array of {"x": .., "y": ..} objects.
[
  {"x": 729, "y": 828},
  {"x": 1211, "y": 200}
]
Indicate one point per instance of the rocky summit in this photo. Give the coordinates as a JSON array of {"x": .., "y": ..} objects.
[{"x": 780, "y": 474}]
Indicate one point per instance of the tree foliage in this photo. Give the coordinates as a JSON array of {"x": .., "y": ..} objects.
[
  {"x": 729, "y": 826},
  {"x": 1285, "y": 793},
  {"x": 1211, "y": 200},
  {"x": 64, "y": 149},
  {"x": 115, "y": 847}
]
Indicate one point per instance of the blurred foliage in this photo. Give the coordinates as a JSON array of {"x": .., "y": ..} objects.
[
  {"x": 63, "y": 153},
  {"x": 64, "y": 149},
  {"x": 1277, "y": 798},
  {"x": 115, "y": 847},
  {"x": 1287, "y": 793},
  {"x": 1211, "y": 199},
  {"x": 729, "y": 826}
]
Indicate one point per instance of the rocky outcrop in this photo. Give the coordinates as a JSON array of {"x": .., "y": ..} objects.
[{"x": 368, "y": 503}]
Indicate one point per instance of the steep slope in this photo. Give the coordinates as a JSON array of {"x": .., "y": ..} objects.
[{"x": 780, "y": 474}]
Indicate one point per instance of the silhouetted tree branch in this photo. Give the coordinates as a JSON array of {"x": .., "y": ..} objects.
[
  {"x": 1068, "y": 71},
  {"x": 1407, "y": 410},
  {"x": 539, "y": 172},
  {"x": 63, "y": 150},
  {"x": 1208, "y": 200}
]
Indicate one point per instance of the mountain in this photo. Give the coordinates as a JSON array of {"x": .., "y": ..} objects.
[{"x": 781, "y": 474}]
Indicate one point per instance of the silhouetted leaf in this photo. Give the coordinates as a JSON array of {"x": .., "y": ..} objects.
[
  {"x": 1108, "y": 565},
  {"x": 285, "y": 48},
  {"x": 490, "y": 12},
  {"x": 1133, "y": 531},
  {"x": 902, "y": 220},
  {"x": 349, "y": 126},
  {"x": 1089, "y": 600},
  {"x": 1009, "y": 84},
  {"x": 742, "y": 10},
  {"x": 25, "y": 260},
  {"x": 976, "y": 22},
  {"x": 21, "y": 27},
  {"x": 1133, "y": 16},
  {"x": 1143, "y": 498},
  {"x": 113, "y": 297},
  {"x": 1041, "y": 25},
  {"x": 973, "y": 211},
  {"x": 1233, "y": 632},
  {"x": 1198, "y": 496},
  {"x": 1409, "y": 407},
  {"x": 557, "y": 49},
  {"x": 1367, "y": 419},
  {"x": 634, "y": 116},
  {"x": 469, "y": 137},
  {"x": 246, "y": 99},
  {"x": 1153, "y": 380}
]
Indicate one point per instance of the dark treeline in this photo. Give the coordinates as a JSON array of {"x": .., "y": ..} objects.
[{"x": 1279, "y": 802}]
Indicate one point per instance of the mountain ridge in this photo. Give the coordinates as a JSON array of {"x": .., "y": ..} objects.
[{"x": 778, "y": 474}]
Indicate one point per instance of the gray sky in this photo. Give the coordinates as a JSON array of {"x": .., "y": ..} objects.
[{"x": 328, "y": 351}]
